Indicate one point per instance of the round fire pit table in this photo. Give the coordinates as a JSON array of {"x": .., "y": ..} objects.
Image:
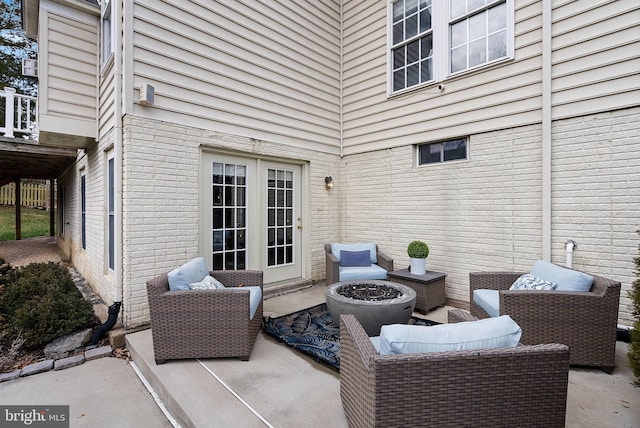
[{"x": 374, "y": 303}]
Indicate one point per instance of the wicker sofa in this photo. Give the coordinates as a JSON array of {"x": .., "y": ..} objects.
[
  {"x": 585, "y": 321},
  {"x": 503, "y": 387},
  {"x": 204, "y": 323},
  {"x": 333, "y": 268}
]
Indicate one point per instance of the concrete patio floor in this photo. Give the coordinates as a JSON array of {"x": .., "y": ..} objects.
[{"x": 280, "y": 387}]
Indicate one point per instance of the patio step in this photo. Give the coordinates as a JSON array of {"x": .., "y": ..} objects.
[{"x": 192, "y": 396}]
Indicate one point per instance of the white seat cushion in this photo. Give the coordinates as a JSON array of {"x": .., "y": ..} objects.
[
  {"x": 351, "y": 273},
  {"x": 489, "y": 300},
  {"x": 255, "y": 297}
]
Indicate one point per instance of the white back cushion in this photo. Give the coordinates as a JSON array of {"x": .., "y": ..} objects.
[{"x": 496, "y": 332}]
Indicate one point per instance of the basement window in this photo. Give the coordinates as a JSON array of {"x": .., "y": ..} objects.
[{"x": 442, "y": 151}]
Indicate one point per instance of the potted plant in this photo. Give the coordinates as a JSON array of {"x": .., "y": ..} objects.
[{"x": 418, "y": 252}]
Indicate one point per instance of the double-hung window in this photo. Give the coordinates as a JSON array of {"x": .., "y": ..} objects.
[
  {"x": 412, "y": 51},
  {"x": 431, "y": 41},
  {"x": 106, "y": 30}
]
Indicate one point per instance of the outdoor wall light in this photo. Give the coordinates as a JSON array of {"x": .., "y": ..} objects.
[{"x": 328, "y": 181}]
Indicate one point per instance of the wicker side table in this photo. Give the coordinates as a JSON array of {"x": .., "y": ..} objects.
[{"x": 429, "y": 288}]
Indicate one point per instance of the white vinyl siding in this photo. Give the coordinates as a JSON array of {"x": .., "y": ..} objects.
[
  {"x": 67, "y": 90},
  {"x": 270, "y": 71},
  {"x": 596, "y": 56},
  {"x": 476, "y": 101},
  {"x": 595, "y": 67}
]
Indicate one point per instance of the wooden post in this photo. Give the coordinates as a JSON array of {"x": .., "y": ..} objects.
[
  {"x": 18, "y": 219},
  {"x": 52, "y": 210}
]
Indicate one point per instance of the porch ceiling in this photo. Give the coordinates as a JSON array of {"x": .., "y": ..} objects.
[{"x": 19, "y": 159}]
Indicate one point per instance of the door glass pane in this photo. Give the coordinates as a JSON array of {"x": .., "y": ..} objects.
[
  {"x": 229, "y": 209},
  {"x": 280, "y": 213}
]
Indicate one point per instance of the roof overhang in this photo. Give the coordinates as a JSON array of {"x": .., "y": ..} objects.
[
  {"x": 31, "y": 11},
  {"x": 27, "y": 159}
]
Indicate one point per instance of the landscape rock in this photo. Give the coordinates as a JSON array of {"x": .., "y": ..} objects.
[
  {"x": 103, "y": 351},
  {"x": 65, "y": 363},
  {"x": 10, "y": 376},
  {"x": 62, "y": 345},
  {"x": 42, "y": 366}
]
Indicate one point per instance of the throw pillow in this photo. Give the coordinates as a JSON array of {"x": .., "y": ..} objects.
[
  {"x": 192, "y": 271},
  {"x": 373, "y": 255},
  {"x": 355, "y": 258},
  {"x": 530, "y": 282},
  {"x": 207, "y": 283}
]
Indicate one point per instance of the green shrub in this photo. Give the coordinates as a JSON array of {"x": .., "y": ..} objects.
[
  {"x": 634, "y": 346},
  {"x": 418, "y": 250},
  {"x": 41, "y": 302}
]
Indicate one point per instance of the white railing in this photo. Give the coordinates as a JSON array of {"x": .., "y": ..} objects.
[{"x": 20, "y": 114}]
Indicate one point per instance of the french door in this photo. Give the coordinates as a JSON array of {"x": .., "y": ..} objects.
[{"x": 251, "y": 216}]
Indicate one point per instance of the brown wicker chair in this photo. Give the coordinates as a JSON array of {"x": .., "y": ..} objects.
[
  {"x": 204, "y": 323},
  {"x": 504, "y": 387},
  {"x": 585, "y": 321},
  {"x": 332, "y": 264}
]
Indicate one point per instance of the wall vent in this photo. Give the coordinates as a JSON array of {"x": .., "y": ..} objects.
[{"x": 30, "y": 67}]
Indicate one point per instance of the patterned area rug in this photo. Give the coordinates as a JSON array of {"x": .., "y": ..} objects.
[{"x": 314, "y": 332}]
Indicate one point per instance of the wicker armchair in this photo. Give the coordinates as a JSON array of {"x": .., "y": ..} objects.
[
  {"x": 585, "y": 321},
  {"x": 332, "y": 264},
  {"x": 504, "y": 387},
  {"x": 204, "y": 323}
]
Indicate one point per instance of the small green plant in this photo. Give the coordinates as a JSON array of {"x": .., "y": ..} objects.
[
  {"x": 634, "y": 346},
  {"x": 418, "y": 250},
  {"x": 41, "y": 303}
]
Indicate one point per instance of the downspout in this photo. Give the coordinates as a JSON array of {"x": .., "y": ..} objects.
[
  {"x": 114, "y": 309},
  {"x": 340, "y": 110},
  {"x": 118, "y": 138},
  {"x": 547, "y": 34}
]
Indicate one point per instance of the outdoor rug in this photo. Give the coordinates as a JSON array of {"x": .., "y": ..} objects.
[{"x": 314, "y": 332}]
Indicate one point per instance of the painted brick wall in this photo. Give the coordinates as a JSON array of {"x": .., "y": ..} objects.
[
  {"x": 90, "y": 261},
  {"x": 485, "y": 213},
  {"x": 479, "y": 214},
  {"x": 160, "y": 201},
  {"x": 596, "y": 195}
]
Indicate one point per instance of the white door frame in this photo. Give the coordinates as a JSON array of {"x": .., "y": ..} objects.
[{"x": 256, "y": 200}]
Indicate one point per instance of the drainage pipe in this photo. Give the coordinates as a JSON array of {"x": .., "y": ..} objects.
[
  {"x": 570, "y": 245},
  {"x": 114, "y": 310}
]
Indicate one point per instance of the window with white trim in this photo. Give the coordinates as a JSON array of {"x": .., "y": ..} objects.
[
  {"x": 442, "y": 151},
  {"x": 111, "y": 212},
  {"x": 433, "y": 40},
  {"x": 83, "y": 211},
  {"x": 106, "y": 30}
]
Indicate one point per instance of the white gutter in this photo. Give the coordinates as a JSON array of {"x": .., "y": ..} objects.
[
  {"x": 117, "y": 63},
  {"x": 341, "y": 77},
  {"x": 547, "y": 33}
]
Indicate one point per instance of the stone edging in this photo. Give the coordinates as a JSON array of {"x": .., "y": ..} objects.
[{"x": 59, "y": 364}]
